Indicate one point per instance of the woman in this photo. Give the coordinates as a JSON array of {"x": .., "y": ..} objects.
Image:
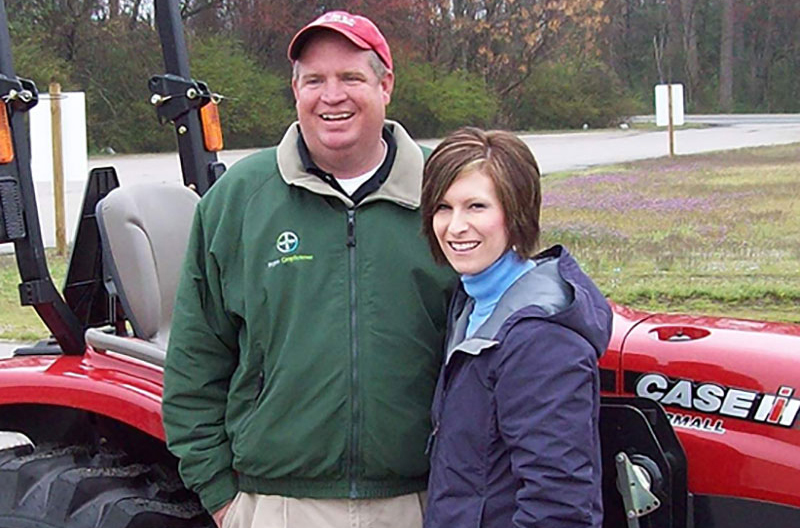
[{"x": 515, "y": 440}]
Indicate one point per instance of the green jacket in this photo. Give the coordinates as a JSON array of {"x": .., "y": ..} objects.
[{"x": 307, "y": 335}]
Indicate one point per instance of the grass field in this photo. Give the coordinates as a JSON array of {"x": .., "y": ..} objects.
[
  {"x": 715, "y": 234},
  {"x": 20, "y": 323}
]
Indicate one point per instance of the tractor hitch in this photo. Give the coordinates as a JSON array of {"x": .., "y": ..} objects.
[{"x": 19, "y": 94}]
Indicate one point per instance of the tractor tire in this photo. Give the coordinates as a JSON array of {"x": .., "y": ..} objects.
[{"x": 77, "y": 487}]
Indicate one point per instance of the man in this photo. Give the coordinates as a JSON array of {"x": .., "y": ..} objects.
[{"x": 309, "y": 318}]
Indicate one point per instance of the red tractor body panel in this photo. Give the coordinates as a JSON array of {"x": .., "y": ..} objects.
[
  {"x": 730, "y": 389},
  {"x": 121, "y": 388}
]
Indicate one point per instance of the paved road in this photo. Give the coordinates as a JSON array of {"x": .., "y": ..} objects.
[
  {"x": 7, "y": 348},
  {"x": 728, "y": 119},
  {"x": 563, "y": 152}
]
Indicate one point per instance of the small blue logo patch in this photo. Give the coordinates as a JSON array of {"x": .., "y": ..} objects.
[{"x": 287, "y": 242}]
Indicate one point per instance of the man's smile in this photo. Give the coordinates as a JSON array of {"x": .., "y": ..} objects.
[{"x": 340, "y": 116}]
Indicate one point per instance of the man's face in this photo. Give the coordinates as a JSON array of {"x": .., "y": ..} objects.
[{"x": 341, "y": 104}]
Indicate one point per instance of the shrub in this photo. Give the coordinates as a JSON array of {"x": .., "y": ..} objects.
[
  {"x": 255, "y": 111},
  {"x": 783, "y": 94},
  {"x": 113, "y": 71},
  {"x": 35, "y": 61},
  {"x": 258, "y": 103},
  {"x": 569, "y": 94},
  {"x": 431, "y": 103}
]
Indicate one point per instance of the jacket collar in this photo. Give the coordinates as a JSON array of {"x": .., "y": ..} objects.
[
  {"x": 403, "y": 185},
  {"x": 541, "y": 287}
]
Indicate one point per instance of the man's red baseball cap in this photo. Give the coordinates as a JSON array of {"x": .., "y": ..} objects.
[{"x": 358, "y": 29}]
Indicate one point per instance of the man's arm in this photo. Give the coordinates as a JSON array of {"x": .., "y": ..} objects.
[
  {"x": 201, "y": 357},
  {"x": 545, "y": 405}
]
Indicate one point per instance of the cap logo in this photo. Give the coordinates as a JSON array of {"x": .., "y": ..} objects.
[{"x": 339, "y": 18}]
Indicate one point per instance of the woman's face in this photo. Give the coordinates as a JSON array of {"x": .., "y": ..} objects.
[{"x": 470, "y": 224}]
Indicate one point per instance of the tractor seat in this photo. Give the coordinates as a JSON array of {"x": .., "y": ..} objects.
[{"x": 144, "y": 231}]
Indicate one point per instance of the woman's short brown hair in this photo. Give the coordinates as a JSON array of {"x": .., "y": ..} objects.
[{"x": 505, "y": 159}]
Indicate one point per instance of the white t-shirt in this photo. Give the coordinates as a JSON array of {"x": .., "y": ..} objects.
[{"x": 351, "y": 185}]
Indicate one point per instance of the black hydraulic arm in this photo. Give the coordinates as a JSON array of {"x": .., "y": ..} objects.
[
  {"x": 178, "y": 99},
  {"x": 19, "y": 219}
]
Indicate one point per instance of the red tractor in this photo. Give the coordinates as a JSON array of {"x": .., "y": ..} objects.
[{"x": 81, "y": 438}]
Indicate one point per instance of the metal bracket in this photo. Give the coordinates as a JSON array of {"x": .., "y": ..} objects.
[
  {"x": 215, "y": 171},
  {"x": 35, "y": 292},
  {"x": 174, "y": 96},
  {"x": 19, "y": 94},
  {"x": 634, "y": 484}
]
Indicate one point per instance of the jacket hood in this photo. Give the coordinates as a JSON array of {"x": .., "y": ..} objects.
[{"x": 556, "y": 290}]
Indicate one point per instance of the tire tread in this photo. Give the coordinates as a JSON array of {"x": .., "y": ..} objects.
[{"x": 78, "y": 487}]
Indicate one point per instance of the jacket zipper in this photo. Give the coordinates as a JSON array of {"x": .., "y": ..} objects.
[
  {"x": 260, "y": 382},
  {"x": 432, "y": 438},
  {"x": 351, "y": 245}
]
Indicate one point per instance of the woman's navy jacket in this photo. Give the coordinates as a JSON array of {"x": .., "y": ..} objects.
[{"x": 516, "y": 409}]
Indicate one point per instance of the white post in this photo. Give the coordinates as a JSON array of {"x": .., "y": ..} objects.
[{"x": 669, "y": 110}]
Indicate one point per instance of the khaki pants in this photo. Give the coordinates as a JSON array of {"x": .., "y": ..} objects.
[{"x": 249, "y": 510}]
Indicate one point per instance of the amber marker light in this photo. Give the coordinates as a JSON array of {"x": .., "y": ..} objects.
[
  {"x": 212, "y": 128},
  {"x": 6, "y": 141}
]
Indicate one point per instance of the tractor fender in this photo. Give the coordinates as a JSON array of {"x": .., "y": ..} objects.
[{"x": 119, "y": 387}]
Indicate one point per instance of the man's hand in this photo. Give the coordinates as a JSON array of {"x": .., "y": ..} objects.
[{"x": 220, "y": 514}]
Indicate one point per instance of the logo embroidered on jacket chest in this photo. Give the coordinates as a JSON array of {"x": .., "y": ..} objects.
[{"x": 287, "y": 243}]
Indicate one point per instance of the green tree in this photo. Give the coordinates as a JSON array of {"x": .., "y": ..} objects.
[
  {"x": 569, "y": 93},
  {"x": 431, "y": 102},
  {"x": 258, "y": 105},
  {"x": 113, "y": 70},
  {"x": 34, "y": 60}
]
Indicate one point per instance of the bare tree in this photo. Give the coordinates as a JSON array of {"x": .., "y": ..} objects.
[
  {"x": 691, "y": 55},
  {"x": 726, "y": 57}
]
